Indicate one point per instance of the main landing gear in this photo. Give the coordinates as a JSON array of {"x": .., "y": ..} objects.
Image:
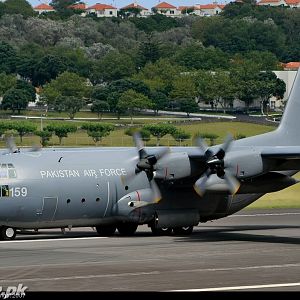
[
  {"x": 7, "y": 233},
  {"x": 168, "y": 230},
  {"x": 124, "y": 229}
]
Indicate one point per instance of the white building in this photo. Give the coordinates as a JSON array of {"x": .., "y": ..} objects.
[
  {"x": 103, "y": 10},
  {"x": 144, "y": 12},
  {"x": 167, "y": 9},
  {"x": 290, "y": 3},
  {"x": 43, "y": 8},
  {"x": 210, "y": 9}
]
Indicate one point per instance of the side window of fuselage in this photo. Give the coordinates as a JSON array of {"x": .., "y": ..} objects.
[{"x": 4, "y": 191}]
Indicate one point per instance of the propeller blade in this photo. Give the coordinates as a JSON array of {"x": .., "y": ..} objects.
[
  {"x": 232, "y": 182},
  {"x": 200, "y": 184},
  {"x": 201, "y": 144},
  {"x": 156, "y": 192},
  {"x": 159, "y": 154},
  {"x": 225, "y": 146},
  {"x": 11, "y": 145}
]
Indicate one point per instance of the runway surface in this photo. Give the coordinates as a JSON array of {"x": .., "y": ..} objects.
[{"x": 249, "y": 251}]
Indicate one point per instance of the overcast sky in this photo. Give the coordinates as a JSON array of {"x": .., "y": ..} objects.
[{"x": 145, "y": 3}]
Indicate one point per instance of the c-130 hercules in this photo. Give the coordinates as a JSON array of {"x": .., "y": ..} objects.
[{"x": 170, "y": 189}]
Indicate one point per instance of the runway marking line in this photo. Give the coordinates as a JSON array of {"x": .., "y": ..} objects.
[
  {"x": 264, "y": 215},
  {"x": 55, "y": 239},
  {"x": 142, "y": 273},
  {"x": 81, "y": 277},
  {"x": 242, "y": 287}
]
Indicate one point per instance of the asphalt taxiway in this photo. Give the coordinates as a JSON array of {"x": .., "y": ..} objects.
[{"x": 249, "y": 251}]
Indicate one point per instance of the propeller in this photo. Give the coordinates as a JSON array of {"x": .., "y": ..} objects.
[
  {"x": 222, "y": 179},
  {"x": 12, "y": 147},
  {"x": 146, "y": 163}
]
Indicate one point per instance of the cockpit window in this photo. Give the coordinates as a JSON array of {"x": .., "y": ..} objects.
[{"x": 7, "y": 171}]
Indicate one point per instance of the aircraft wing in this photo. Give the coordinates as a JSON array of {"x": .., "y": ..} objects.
[
  {"x": 282, "y": 158},
  {"x": 286, "y": 153}
]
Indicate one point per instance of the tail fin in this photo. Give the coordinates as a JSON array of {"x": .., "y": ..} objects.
[
  {"x": 290, "y": 123},
  {"x": 288, "y": 132}
]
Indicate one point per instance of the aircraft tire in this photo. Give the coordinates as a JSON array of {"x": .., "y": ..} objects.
[
  {"x": 106, "y": 230},
  {"x": 127, "y": 229},
  {"x": 183, "y": 230},
  {"x": 7, "y": 233},
  {"x": 161, "y": 231}
]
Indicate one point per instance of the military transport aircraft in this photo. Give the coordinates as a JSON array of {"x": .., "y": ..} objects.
[{"x": 170, "y": 189}]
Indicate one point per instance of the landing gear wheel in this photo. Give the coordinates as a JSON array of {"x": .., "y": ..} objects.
[
  {"x": 161, "y": 231},
  {"x": 7, "y": 233},
  {"x": 106, "y": 230},
  {"x": 127, "y": 229},
  {"x": 183, "y": 230}
]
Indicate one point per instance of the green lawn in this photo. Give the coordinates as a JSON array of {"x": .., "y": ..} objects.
[
  {"x": 118, "y": 138},
  {"x": 287, "y": 198}
]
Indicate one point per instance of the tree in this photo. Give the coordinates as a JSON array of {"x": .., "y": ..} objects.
[
  {"x": 269, "y": 85},
  {"x": 21, "y": 7},
  {"x": 63, "y": 7},
  {"x": 179, "y": 135},
  {"x": 15, "y": 100},
  {"x": 145, "y": 134},
  {"x": 188, "y": 105},
  {"x": 160, "y": 75},
  {"x": 211, "y": 136},
  {"x": 97, "y": 130},
  {"x": 160, "y": 130},
  {"x": 99, "y": 106},
  {"x": 45, "y": 136},
  {"x": 6, "y": 83},
  {"x": 23, "y": 128},
  {"x": 160, "y": 101},
  {"x": 69, "y": 104},
  {"x": 223, "y": 91},
  {"x": 47, "y": 69},
  {"x": 7, "y": 58},
  {"x": 130, "y": 11},
  {"x": 113, "y": 66},
  {"x": 61, "y": 130},
  {"x": 66, "y": 93},
  {"x": 197, "y": 57},
  {"x": 132, "y": 101},
  {"x": 27, "y": 88},
  {"x": 148, "y": 52}
]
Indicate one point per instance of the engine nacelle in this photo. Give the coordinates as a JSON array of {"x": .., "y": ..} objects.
[
  {"x": 173, "y": 166},
  {"x": 244, "y": 164},
  {"x": 134, "y": 200}
]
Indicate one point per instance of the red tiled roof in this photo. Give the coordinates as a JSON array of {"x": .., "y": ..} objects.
[
  {"x": 43, "y": 6},
  {"x": 290, "y": 2},
  {"x": 100, "y": 6},
  {"x": 292, "y": 65},
  {"x": 164, "y": 5},
  {"x": 181, "y": 8},
  {"x": 134, "y": 5},
  {"x": 81, "y": 6},
  {"x": 268, "y": 1},
  {"x": 209, "y": 6}
]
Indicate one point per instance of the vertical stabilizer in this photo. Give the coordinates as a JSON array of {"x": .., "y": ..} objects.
[{"x": 289, "y": 126}]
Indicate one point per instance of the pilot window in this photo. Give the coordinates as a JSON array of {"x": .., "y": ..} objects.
[
  {"x": 4, "y": 191},
  {"x": 7, "y": 171}
]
